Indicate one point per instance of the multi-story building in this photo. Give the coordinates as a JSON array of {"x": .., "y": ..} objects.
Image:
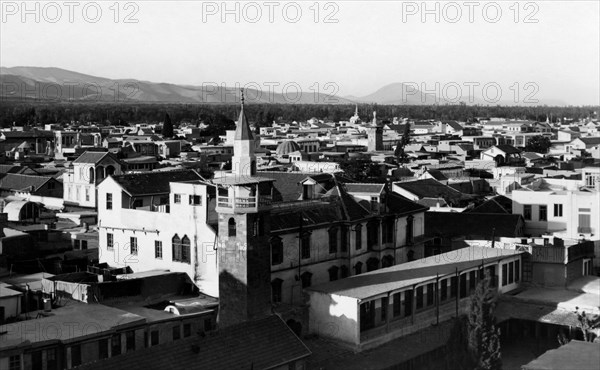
[{"x": 88, "y": 170}]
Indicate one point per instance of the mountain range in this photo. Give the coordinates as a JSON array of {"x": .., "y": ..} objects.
[{"x": 56, "y": 84}]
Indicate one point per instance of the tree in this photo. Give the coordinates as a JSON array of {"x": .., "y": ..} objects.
[
  {"x": 167, "y": 130},
  {"x": 483, "y": 336},
  {"x": 402, "y": 143},
  {"x": 538, "y": 144}
]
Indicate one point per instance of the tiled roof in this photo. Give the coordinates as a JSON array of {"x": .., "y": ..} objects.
[
  {"x": 7, "y": 168},
  {"x": 19, "y": 182},
  {"x": 365, "y": 188},
  {"x": 498, "y": 204},
  {"x": 437, "y": 174},
  {"x": 471, "y": 224},
  {"x": 290, "y": 218},
  {"x": 508, "y": 149},
  {"x": 92, "y": 157},
  {"x": 262, "y": 344},
  {"x": 430, "y": 188},
  {"x": 590, "y": 141},
  {"x": 35, "y": 133},
  {"x": 398, "y": 204},
  {"x": 155, "y": 182}
]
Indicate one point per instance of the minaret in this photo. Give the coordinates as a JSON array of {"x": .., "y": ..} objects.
[
  {"x": 244, "y": 254},
  {"x": 243, "y": 163}
]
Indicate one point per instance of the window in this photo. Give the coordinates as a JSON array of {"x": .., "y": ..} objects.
[
  {"x": 517, "y": 271},
  {"x": 430, "y": 294},
  {"x": 584, "y": 221},
  {"x": 343, "y": 239},
  {"x": 177, "y": 198},
  {"x": 76, "y": 355},
  {"x": 187, "y": 330},
  {"x": 590, "y": 180},
  {"x": 463, "y": 286},
  {"x": 453, "y": 286},
  {"x": 384, "y": 308},
  {"x": 176, "y": 248},
  {"x": 472, "y": 280},
  {"x": 109, "y": 241},
  {"x": 511, "y": 273},
  {"x": 276, "y": 251},
  {"x": 305, "y": 246},
  {"x": 587, "y": 267},
  {"x": 306, "y": 279},
  {"x": 558, "y": 210},
  {"x": 258, "y": 227},
  {"x": 358, "y": 237},
  {"x": 185, "y": 249},
  {"x": 154, "y": 337},
  {"x": 109, "y": 201},
  {"x": 87, "y": 194},
  {"x": 84, "y": 245},
  {"x": 333, "y": 273},
  {"x": 137, "y": 203},
  {"x": 130, "y": 341},
  {"x": 358, "y": 268},
  {"x": 443, "y": 290},
  {"x": 408, "y": 302},
  {"x": 419, "y": 297},
  {"x": 14, "y": 362},
  {"x": 333, "y": 240},
  {"x": 158, "y": 249},
  {"x": 504, "y": 274},
  {"x": 409, "y": 230},
  {"x": 374, "y": 203},
  {"x": 276, "y": 290},
  {"x": 133, "y": 245},
  {"x": 231, "y": 228},
  {"x": 543, "y": 213},
  {"x": 195, "y": 200},
  {"x": 372, "y": 235},
  {"x": 103, "y": 348},
  {"x": 51, "y": 361},
  {"x": 176, "y": 332},
  {"x": 389, "y": 228},
  {"x": 396, "y": 305},
  {"x": 527, "y": 212},
  {"x": 115, "y": 344}
]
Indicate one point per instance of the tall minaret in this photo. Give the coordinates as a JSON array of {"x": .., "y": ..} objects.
[{"x": 243, "y": 163}]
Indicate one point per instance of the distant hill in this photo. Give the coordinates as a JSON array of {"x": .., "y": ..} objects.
[
  {"x": 60, "y": 84},
  {"x": 403, "y": 94}
]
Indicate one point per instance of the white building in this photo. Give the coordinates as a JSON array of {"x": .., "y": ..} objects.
[{"x": 89, "y": 169}]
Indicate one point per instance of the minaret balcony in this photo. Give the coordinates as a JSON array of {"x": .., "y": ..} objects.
[{"x": 251, "y": 204}]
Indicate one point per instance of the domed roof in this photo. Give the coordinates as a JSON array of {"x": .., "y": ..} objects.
[{"x": 287, "y": 147}]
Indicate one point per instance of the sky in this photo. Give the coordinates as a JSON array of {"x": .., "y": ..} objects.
[{"x": 536, "y": 49}]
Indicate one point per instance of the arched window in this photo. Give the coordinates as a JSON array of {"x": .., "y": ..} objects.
[
  {"x": 306, "y": 278},
  {"x": 276, "y": 290},
  {"x": 185, "y": 249},
  {"x": 358, "y": 268},
  {"x": 91, "y": 175},
  {"x": 231, "y": 228},
  {"x": 176, "y": 248},
  {"x": 110, "y": 170}
]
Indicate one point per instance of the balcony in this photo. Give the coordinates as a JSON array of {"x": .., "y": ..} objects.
[{"x": 242, "y": 204}]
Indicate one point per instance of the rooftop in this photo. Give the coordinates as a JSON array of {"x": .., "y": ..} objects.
[
  {"x": 575, "y": 355},
  {"x": 262, "y": 344},
  {"x": 405, "y": 275}
]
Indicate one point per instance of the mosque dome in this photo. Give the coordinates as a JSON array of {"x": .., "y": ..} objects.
[{"x": 287, "y": 147}]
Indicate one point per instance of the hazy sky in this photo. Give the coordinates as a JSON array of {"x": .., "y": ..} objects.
[{"x": 359, "y": 46}]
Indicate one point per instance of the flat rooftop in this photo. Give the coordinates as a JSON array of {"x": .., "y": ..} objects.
[
  {"x": 72, "y": 321},
  {"x": 575, "y": 355},
  {"x": 404, "y": 275}
]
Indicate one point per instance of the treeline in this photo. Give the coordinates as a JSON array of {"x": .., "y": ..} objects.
[{"x": 21, "y": 113}]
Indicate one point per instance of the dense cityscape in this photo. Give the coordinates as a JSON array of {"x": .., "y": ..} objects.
[{"x": 364, "y": 185}]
